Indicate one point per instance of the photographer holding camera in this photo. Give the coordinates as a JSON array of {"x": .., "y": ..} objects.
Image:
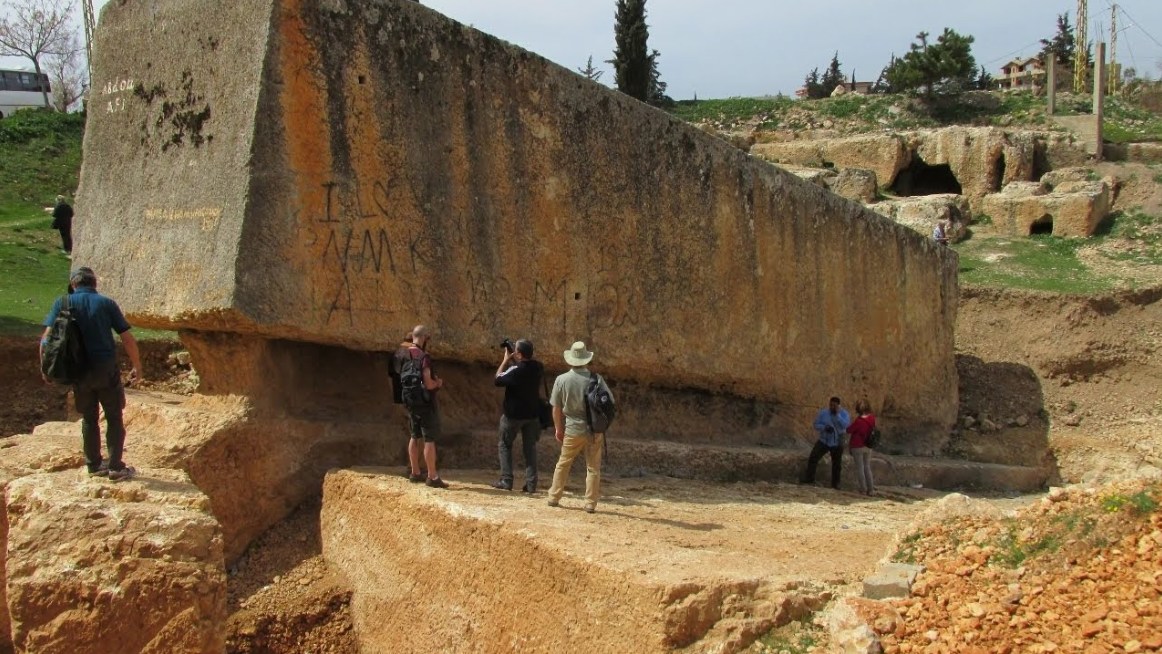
[
  {"x": 831, "y": 423},
  {"x": 520, "y": 375}
]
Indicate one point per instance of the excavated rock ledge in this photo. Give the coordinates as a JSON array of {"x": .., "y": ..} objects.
[{"x": 663, "y": 564}]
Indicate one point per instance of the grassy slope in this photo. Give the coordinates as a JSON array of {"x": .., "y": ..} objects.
[
  {"x": 41, "y": 159},
  {"x": 1124, "y": 120}
]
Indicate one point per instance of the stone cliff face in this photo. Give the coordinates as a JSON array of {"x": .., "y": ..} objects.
[{"x": 337, "y": 172}]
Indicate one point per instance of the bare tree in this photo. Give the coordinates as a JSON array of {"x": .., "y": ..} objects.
[
  {"x": 36, "y": 29},
  {"x": 68, "y": 76}
]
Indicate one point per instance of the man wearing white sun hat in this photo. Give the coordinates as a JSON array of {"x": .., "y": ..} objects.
[{"x": 572, "y": 427}]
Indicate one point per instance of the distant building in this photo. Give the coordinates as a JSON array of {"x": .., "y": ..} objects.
[{"x": 1022, "y": 74}]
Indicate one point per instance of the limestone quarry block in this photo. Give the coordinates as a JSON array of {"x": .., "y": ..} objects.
[
  {"x": 1147, "y": 153},
  {"x": 1073, "y": 209},
  {"x": 847, "y": 632},
  {"x": 335, "y": 173},
  {"x": 1024, "y": 189},
  {"x": 921, "y": 213},
  {"x": 855, "y": 184},
  {"x": 1054, "y": 178},
  {"x": 469, "y": 570},
  {"x": 983, "y": 159},
  {"x": 254, "y": 468},
  {"x": 821, "y": 177},
  {"x": 51, "y": 447},
  {"x": 1056, "y": 150},
  {"x": 891, "y": 580},
  {"x": 884, "y": 154},
  {"x": 95, "y": 566}
]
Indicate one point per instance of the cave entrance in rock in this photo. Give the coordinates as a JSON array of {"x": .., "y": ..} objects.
[
  {"x": 1043, "y": 225},
  {"x": 919, "y": 178}
]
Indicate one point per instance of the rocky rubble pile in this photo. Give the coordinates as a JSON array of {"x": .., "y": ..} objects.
[{"x": 1079, "y": 571}]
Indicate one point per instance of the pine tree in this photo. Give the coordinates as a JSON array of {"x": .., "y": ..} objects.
[
  {"x": 1062, "y": 45},
  {"x": 657, "y": 94},
  {"x": 590, "y": 72},
  {"x": 631, "y": 56},
  {"x": 832, "y": 78},
  {"x": 812, "y": 85},
  {"x": 945, "y": 67}
]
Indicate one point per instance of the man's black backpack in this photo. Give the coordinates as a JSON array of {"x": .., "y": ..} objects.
[
  {"x": 599, "y": 407},
  {"x": 62, "y": 356},
  {"x": 411, "y": 382}
]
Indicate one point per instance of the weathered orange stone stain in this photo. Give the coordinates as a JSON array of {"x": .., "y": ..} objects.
[
  {"x": 307, "y": 137},
  {"x": 379, "y": 232}
]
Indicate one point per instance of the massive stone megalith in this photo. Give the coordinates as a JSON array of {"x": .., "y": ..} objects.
[{"x": 334, "y": 171}]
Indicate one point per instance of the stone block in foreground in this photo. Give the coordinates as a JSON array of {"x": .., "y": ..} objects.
[
  {"x": 95, "y": 566},
  {"x": 891, "y": 580},
  {"x": 663, "y": 565}
]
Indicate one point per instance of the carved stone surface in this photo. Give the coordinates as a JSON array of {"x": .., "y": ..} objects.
[
  {"x": 1072, "y": 208},
  {"x": 337, "y": 172},
  {"x": 96, "y": 566}
]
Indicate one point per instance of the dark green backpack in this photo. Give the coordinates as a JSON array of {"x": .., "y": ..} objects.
[{"x": 62, "y": 356}]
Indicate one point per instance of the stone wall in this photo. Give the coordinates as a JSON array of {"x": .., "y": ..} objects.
[{"x": 335, "y": 173}]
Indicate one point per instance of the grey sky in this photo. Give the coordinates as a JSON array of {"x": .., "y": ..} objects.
[{"x": 723, "y": 48}]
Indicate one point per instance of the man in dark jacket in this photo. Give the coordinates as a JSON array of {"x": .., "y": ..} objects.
[
  {"x": 99, "y": 317},
  {"x": 520, "y": 375},
  {"x": 62, "y": 221}
]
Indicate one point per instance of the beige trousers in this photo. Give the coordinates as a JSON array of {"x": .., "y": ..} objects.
[{"x": 573, "y": 446}]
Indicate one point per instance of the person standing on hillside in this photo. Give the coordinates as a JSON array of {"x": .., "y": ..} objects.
[
  {"x": 940, "y": 232},
  {"x": 572, "y": 427},
  {"x": 62, "y": 221},
  {"x": 860, "y": 431},
  {"x": 418, "y": 387},
  {"x": 830, "y": 423},
  {"x": 98, "y": 317},
  {"x": 520, "y": 375}
]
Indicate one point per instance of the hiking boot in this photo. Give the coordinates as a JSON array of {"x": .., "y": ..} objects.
[
  {"x": 436, "y": 482},
  {"x": 529, "y": 488},
  {"x": 554, "y": 503},
  {"x": 592, "y": 508},
  {"x": 128, "y": 472},
  {"x": 502, "y": 485},
  {"x": 417, "y": 479},
  {"x": 101, "y": 471}
]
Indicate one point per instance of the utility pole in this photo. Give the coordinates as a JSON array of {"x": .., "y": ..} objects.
[
  {"x": 90, "y": 23},
  {"x": 1115, "y": 74},
  {"x": 1081, "y": 48}
]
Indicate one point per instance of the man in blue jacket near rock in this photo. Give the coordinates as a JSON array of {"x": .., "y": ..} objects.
[
  {"x": 830, "y": 424},
  {"x": 99, "y": 317}
]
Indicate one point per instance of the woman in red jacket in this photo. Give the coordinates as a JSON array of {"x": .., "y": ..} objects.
[{"x": 860, "y": 429}]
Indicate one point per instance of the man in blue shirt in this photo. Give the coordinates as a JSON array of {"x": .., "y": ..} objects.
[
  {"x": 98, "y": 317},
  {"x": 830, "y": 424}
]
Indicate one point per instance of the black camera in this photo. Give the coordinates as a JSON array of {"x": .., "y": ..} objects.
[{"x": 507, "y": 344}]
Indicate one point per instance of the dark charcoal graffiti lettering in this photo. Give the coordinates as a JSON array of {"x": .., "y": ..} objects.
[{"x": 548, "y": 298}]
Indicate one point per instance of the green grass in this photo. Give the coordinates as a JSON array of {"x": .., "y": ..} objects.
[
  {"x": 1042, "y": 263},
  {"x": 797, "y": 637},
  {"x": 1141, "y": 503},
  {"x": 42, "y": 158},
  {"x": 907, "y": 550},
  {"x": 1126, "y": 122},
  {"x": 731, "y": 112}
]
